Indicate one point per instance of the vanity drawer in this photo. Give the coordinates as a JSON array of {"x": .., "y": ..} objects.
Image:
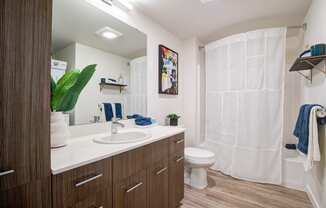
[
  {"x": 160, "y": 150},
  {"x": 177, "y": 144},
  {"x": 77, "y": 185},
  {"x": 102, "y": 199},
  {"x": 131, "y": 162}
]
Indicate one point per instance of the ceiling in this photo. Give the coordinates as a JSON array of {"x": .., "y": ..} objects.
[
  {"x": 215, "y": 19},
  {"x": 77, "y": 21}
]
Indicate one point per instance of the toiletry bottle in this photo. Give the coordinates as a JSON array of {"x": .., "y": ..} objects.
[{"x": 120, "y": 79}]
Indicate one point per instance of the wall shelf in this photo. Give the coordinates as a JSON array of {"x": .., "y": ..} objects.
[
  {"x": 120, "y": 86},
  {"x": 308, "y": 63}
]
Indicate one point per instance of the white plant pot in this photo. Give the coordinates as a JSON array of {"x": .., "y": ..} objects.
[{"x": 59, "y": 130}]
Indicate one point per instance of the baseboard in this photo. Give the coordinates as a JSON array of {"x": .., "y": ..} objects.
[
  {"x": 294, "y": 186},
  {"x": 312, "y": 198}
]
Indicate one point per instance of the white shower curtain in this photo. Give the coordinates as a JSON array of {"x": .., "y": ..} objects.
[
  {"x": 244, "y": 104},
  {"x": 137, "y": 102}
]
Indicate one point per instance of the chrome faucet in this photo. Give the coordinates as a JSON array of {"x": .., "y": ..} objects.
[{"x": 115, "y": 123}]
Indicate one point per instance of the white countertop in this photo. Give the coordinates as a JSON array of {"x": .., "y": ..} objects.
[{"x": 83, "y": 150}]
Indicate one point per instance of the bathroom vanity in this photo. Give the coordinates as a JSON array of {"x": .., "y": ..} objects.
[{"x": 146, "y": 174}]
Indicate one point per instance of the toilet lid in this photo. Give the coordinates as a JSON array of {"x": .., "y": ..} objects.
[{"x": 197, "y": 154}]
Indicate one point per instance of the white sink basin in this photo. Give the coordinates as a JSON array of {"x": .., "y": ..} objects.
[{"x": 123, "y": 137}]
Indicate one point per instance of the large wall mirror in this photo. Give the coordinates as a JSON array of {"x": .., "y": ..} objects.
[{"x": 83, "y": 35}]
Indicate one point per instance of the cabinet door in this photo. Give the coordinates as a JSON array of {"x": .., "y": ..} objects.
[
  {"x": 159, "y": 185},
  {"x": 83, "y": 186},
  {"x": 100, "y": 199},
  {"x": 176, "y": 180},
  {"x": 36, "y": 194},
  {"x": 131, "y": 192},
  {"x": 25, "y": 47}
]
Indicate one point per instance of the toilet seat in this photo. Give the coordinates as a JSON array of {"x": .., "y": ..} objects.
[{"x": 199, "y": 156}]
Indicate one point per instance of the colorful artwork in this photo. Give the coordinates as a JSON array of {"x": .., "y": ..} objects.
[{"x": 168, "y": 71}]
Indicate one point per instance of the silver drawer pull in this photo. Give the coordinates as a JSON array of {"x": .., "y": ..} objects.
[
  {"x": 88, "y": 180},
  {"x": 179, "y": 159},
  {"x": 134, "y": 187},
  {"x": 7, "y": 172},
  {"x": 180, "y": 141},
  {"x": 161, "y": 171}
]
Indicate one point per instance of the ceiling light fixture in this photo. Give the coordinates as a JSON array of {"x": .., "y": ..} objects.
[
  {"x": 108, "y": 6},
  {"x": 205, "y": 1},
  {"x": 108, "y": 33},
  {"x": 124, "y": 5}
]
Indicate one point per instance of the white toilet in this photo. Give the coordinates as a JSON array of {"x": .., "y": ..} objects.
[{"x": 197, "y": 161}]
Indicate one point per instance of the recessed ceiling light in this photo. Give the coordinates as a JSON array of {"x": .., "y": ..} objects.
[{"x": 108, "y": 33}]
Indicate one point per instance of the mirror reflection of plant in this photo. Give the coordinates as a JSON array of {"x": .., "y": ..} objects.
[{"x": 65, "y": 93}]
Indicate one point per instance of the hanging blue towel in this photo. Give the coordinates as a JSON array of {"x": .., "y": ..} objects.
[
  {"x": 118, "y": 110},
  {"x": 301, "y": 130},
  {"x": 108, "y": 111}
]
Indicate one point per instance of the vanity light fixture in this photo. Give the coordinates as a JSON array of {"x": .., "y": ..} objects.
[
  {"x": 116, "y": 8},
  {"x": 121, "y": 4},
  {"x": 108, "y": 33}
]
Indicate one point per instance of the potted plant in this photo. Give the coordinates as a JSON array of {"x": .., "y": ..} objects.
[
  {"x": 64, "y": 96},
  {"x": 173, "y": 119}
]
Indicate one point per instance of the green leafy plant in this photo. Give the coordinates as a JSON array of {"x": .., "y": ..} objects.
[
  {"x": 173, "y": 116},
  {"x": 65, "y": 93}
]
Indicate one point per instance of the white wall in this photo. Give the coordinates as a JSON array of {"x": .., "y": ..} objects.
[
  {"x": 292, "y": 92},
  {"x": 68, "y": 55},
  {"x": 191, "y": 90},
  {"x": 315, "y": 93}
]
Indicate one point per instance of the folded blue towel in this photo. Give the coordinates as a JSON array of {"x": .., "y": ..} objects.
[
  {"x": 141, "y": 120},
  {"x": 133, "y": 116},
  {"x": 301, "y": 130},
  {"x": 118, "y": 110},
  {"x": 108, "y": 111}
]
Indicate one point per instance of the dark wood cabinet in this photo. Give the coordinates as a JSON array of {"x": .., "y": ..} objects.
[
  {"x": 147, "y": 177},
  {"x": 100, "y": 199},
  {"x": 159, "y": 185},
  {"x": 36, "y": 194},
  {"x": 176, "y": 180},
  {"x": 176, "y": 170},
  {"x": 88, "y": 185},
  {"x": 25, "y": 47},
  {"x": 131, "y": 192}
]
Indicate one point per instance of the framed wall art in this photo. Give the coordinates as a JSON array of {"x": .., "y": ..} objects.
[{"x": 168, "y": 71}]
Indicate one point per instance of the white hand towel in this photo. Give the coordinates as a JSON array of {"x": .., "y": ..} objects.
[{"x": 313, "y": 147}]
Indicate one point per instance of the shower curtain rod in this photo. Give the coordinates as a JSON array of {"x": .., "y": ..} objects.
[{"x": 303, "y": 27}]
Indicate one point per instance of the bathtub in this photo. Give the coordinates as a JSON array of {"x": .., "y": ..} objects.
[{"x": 293, "y": 175}]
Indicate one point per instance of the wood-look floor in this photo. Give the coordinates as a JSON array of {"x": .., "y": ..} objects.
[{"x": 226, "y": 192}]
